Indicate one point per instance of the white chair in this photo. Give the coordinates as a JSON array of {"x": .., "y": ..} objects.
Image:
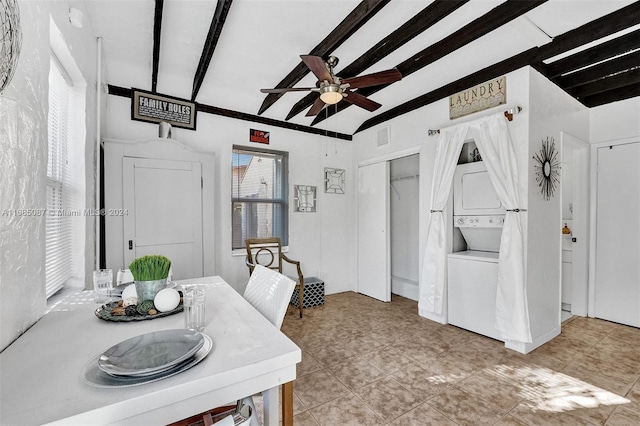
[{"x": 269, "y": 292}]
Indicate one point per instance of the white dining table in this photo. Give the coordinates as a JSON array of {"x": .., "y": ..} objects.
[{"x": 41, "y": 373}]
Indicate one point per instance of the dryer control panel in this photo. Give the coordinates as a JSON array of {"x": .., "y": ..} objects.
[{"x": 495, "y": 221}]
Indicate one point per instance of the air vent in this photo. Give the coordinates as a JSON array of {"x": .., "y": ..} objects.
[{"x": 383, "y": 136}]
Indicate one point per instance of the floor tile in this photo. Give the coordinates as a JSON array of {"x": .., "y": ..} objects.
[
  {"x": 509, "y": 420},
  {"x": 307, "y": 365},
  {"x": 356, "y": 373},
  {"x": 490, "y": 388},
  {"x": 350, "y": 411},
  {"x": 304, "y": 419},
  {"x": 570, "y": 414},
  {"x": 422, "y": 415},
  {"x": 625, "y": 415},
  {"x": 388, "y": 399},
  {"x": 466, "y": 409},
  {"x": 389, "y": 360},
  {"x": 421, "y": 382},
  {"x": 319, "y": 387}
]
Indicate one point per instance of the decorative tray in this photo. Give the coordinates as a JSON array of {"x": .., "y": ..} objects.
[{"x": 104, "y": 313}]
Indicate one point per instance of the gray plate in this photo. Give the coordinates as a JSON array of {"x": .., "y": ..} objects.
[
  {"x": 93, "y": 376},
  {"x": 150, "y": 353}
]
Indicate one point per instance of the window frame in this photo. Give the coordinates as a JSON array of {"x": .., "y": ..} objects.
[
  {"x": 65, "y": 181},
  {"x": 282, "y": 201}
]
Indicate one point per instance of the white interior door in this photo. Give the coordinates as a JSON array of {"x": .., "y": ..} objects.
[
  {"x": 163, "y": 200},
  {"x": 374, "y": 275},
  {"x": 617, "y": 274}
]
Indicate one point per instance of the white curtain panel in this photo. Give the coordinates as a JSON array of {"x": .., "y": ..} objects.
[
  {"x": 496, "y": 148},
  {"x": 434, "y": 265}
]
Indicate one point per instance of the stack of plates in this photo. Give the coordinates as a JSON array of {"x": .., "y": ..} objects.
[{"x": 148, "y": 357}]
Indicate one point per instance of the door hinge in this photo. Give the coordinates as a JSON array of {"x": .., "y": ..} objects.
[
  {"x": 201, "y": 183},
  {"x": 130, "y": 244}
]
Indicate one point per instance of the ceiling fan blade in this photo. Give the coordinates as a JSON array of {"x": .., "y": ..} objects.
[
  {"x": 374, "y": 79},
  {"x": 287, "y": 89},
  {"x": 361, "y": 101},
  {"x": 317, "y": 66},
  {"x": 317, "y": 106}
]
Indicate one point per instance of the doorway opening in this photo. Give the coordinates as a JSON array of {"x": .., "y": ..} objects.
[
  {"x": 575, "y": 227},
  {"x": 404, "y": 215},
  {"x": 388, "y": 224}
]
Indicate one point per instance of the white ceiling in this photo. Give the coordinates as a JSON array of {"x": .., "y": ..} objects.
[{"x": 261, "y": 42}]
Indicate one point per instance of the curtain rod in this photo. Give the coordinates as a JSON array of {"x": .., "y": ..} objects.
[{"x": 508, "y": 114}]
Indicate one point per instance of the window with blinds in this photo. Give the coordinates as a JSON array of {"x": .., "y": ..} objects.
[
  {"x": 65, "y": 218},
  {"x": 259, "y": 195}
]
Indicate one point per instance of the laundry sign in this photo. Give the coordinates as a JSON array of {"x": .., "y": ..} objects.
[
  {"x": 155, "y": 108},
  {"x": 478, "y": 98}
]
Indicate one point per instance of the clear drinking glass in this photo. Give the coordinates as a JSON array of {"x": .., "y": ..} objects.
[
  {"x": 194, "y": 313},
  {"x": 102, "y": 285}
]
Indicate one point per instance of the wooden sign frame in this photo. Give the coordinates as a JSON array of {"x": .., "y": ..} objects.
[
  {"x": 155, "y": 108},
  {"x": 478, "y": 98}
]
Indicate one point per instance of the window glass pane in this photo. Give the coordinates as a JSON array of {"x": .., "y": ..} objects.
[
  {"x": 64, "y": 224},
  {"x": 259, "y": 195},
  {"x": 257, "y": 220},
  {"x": 256, "y": 175}
]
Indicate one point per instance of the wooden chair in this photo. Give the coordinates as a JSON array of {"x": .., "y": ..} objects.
[{"x": 268, "y": 253}]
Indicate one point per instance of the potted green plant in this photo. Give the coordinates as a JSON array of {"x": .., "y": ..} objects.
[{"x": 150, "y": 275}]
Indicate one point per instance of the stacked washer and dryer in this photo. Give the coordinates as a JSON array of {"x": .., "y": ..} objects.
[{"x": 473, "y": 273}]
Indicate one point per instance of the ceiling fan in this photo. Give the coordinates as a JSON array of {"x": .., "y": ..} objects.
[{"x": 333, "y": 89}]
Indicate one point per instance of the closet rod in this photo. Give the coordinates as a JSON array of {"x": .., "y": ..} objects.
[
  {"x": 404, "y": 177},
  {"x": 508, "y": 114}
]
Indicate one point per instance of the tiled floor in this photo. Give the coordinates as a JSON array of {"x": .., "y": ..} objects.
[{"x": 366, "y": 362}]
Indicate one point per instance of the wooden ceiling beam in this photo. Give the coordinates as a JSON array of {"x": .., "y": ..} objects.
[
  {"x": 209, "y": 109},
  {"x": 612, "y": 23},
  {"x": 215, "y": 29},
  {"x": 495, "y": 18},
  {"x": 601, "y": 52},
  {"x": 601, "y": 70},
  {"x": 422, "y": 21},
  {"x": 614, "y": 95},
  {"x": 610, "y": 82},
  {"x": 356, "y": 19},
  {"x": 157, "y": 30}
]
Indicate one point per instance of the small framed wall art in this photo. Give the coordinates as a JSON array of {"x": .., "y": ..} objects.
[
  {"x": 333, "y": 180},
  {"x": 304, "y": 198}
]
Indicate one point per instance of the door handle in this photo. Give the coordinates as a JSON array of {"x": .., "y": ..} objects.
[{"x": 130, "y": 244}]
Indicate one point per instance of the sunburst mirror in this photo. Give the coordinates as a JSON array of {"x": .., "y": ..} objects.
[
  {"x": 10, "y": 40},
  {"x": 547, "y": 168}
]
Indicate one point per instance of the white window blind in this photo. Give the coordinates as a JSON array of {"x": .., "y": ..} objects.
[{"x": 64, "y": 220}]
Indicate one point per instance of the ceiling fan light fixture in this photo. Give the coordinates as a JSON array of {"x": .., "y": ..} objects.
[{"x": 330, "y": 94}]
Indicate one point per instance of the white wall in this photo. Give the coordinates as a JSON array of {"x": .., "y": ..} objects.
[
  {"x": 410, "y": 130},
  {"x": 551, "y": 111},
  {"x": 615, "y": 121},
  {"x": 23, "y": 159},
  {"x": 323, "y": 241}
]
